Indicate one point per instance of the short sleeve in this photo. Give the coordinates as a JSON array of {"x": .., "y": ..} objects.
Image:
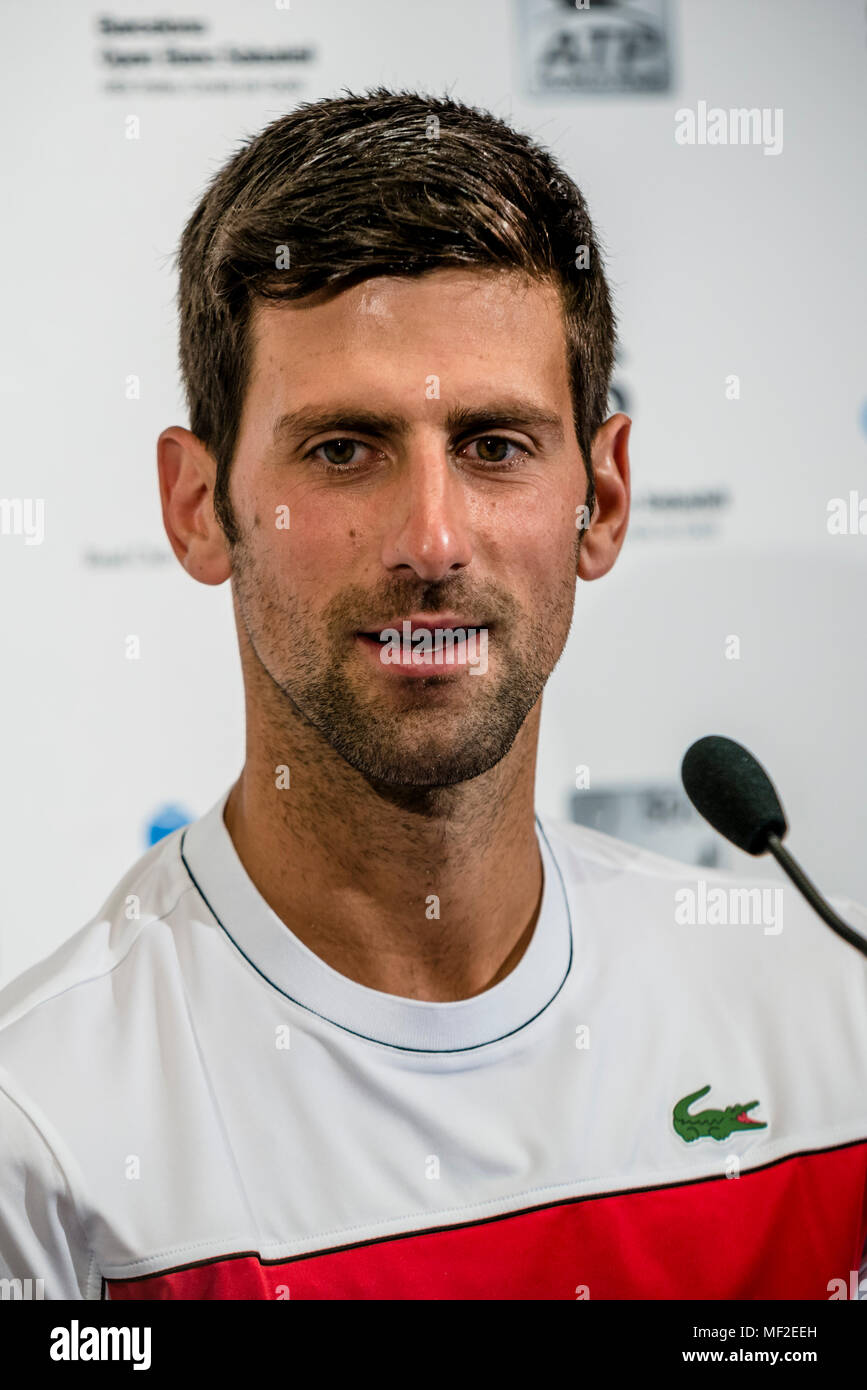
[{"x": 41, "y": 1236}]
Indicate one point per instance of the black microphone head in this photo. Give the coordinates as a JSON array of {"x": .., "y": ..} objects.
[{"x": 733, "y": 792}]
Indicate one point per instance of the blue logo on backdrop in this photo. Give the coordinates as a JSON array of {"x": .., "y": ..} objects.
[{"x": 165, "y": 820}]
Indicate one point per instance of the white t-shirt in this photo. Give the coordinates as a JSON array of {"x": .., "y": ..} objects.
[{"x": 194, "y": 1105}]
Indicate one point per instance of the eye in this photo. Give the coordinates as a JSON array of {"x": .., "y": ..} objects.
[
  {"x": 339, "y": 453},
  {"x": 491, "y": 451},
  {"x": 341, "y": 456}
]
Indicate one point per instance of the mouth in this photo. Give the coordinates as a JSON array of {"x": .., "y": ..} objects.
[{"x": 442, "y": 646}]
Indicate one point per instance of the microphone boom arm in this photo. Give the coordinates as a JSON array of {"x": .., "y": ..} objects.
[{"x": 794, "y": 871}]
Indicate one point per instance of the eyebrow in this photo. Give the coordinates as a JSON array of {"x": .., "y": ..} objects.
[{"x": 295, "y": 425}]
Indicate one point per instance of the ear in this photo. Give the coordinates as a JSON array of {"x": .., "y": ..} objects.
[
  {"x": 187, "y": 472},
  {"x": 601, "y": 542}
]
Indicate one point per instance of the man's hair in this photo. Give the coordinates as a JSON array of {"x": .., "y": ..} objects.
[{"x": 385, "y": 183}]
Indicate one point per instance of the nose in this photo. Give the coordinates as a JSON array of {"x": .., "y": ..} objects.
[{"x": 427, "y": 529}]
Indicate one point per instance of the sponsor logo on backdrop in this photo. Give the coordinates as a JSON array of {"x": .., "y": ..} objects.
[
  {"x": 580, "y": 46},
  {"x": 660, "y": 513},
  {"x": 206, "y": 55},
  {"x": 166, "y": 819},
  {"x": 670, "y": 514},
  {"x": 619, "y": 394},
  {"x": 121, "y": 556},
  {"x": 657, "y": 816}
]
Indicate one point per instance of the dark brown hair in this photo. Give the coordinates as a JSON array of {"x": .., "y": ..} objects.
[{"x": 385, "y": 183}]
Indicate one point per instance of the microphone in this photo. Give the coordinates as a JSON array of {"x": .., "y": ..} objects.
[{"x": 731, "y": 789}]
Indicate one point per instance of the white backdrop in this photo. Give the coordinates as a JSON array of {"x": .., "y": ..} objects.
[{"x": 725, "y": 262}]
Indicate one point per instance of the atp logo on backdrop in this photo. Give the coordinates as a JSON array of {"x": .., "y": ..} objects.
[{"x": 583, "y": 46}]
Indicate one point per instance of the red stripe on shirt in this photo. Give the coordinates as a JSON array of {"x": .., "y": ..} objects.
[{"x": 782, "y": 1232}]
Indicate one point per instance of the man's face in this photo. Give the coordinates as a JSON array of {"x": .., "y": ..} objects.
[{"x": 424, "y": 485}]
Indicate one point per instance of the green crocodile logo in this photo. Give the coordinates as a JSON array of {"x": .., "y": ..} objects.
[{"x": 712, "y": 1124}]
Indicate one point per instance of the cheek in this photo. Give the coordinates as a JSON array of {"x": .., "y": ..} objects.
[
  {"x": 306, "y": 538},
  {"x": 531, "y": 539},
  {"x": 551, "y": 565}
]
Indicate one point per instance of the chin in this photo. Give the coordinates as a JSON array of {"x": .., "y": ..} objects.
[{"x": 411, "y": 771}]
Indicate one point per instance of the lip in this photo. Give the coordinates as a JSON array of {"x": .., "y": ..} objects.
[
  {"x": 414, "y": 665},
  {"x": 419, "y": 621}
]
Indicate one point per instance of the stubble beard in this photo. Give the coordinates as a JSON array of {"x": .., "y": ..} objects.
[{"x": 399, "y": 738}]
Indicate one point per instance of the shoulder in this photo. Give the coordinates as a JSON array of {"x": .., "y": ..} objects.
[
  {"x": 667, "y": 892},
  {"x": 47, "y": 993},
  {"x": 725, "y": 967},
  {"x": 582, "y": 847}
]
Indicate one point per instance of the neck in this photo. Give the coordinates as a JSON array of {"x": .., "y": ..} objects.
[{"x": 426, "y": 894}]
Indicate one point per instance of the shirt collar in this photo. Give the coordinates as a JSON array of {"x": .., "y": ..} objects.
[{"x": 283, "y": 960}]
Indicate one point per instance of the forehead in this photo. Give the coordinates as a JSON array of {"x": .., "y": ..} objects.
[{"x": 454, "y": 319}]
